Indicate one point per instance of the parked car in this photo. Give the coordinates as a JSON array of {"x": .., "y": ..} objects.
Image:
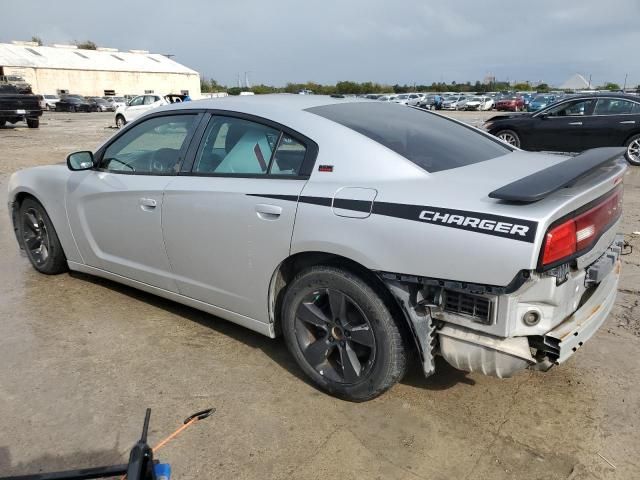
[
  {"x": 73, "y": 103},
  {"x": 42, "y": 102},
  {"x": 511, "y": 103},
  {"x": 18, "y": 107},
  {"x": 415, "y": 99},
  {"x": 50, "y": 101},
  {"x": 479, "y": 103},
  {"x": 539, "y": 102},
  {"x": 454, "y": 102},
  {"x": 136, "y": 107},
  {"x": 116, "y": 102},
  {"x": 427, "y": 102},
  {"x": 575, "y": 124},
  {"x": 491, "y": 274},
  {"x": 386, "y": 98},
  {"x": 100, "y": 105}
]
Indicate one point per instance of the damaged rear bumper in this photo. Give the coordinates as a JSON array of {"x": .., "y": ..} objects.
[{"x": 471, "y": 350}]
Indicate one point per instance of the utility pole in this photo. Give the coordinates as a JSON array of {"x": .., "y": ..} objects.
[
  {"x": 589, "y": 82},
  {"x": 625, "y": 82}
]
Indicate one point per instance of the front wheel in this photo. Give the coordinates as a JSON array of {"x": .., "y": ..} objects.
[
  {"x": 633, "y": 150},
  {"x": 342, "y": 334},
  {"x": 120, "y": 121},
  {"x": 509, "y": 136},
  {"x": 39, "y": 239},
  {"x": 33, "y": 122}
]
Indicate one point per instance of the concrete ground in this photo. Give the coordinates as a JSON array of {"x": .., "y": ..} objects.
[{"x": 81, "y": 358}]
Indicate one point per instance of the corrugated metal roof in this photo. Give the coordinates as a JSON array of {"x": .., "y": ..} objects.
[{"x": 79, "y": 59}]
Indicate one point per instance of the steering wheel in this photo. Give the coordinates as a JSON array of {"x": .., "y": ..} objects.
[{"x": 163, "y": 160}]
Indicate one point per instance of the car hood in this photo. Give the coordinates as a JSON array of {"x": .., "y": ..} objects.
[{"x": 513, "y": 115}]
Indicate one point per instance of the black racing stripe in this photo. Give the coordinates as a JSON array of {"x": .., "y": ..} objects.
[
  {"x": 484, "y": 223},
  {"x": 355, "y": 205}
]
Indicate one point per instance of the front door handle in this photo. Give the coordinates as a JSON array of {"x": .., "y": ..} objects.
[
  {"x": 266, "y": 211},
  {"x": 575, "y": 123},
  {"x": 628, "y": 122},
  {"x": 148, "y": 204}
]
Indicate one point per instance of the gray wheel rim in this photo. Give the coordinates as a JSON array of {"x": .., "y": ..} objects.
[
  {"x": 35, "y": 236},
  {"x": 633, "y": 150},
  {"x": 335, "y": 336},
  {"x": 509, "y": 138}
]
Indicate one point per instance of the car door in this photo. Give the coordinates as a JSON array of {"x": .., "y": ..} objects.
[
  {"x": 135, "y": 108},
  {"x": 613, "y": 121},
  {"x": 228, "y": 220},
  {"x": 560, "y": 128},
  {"x": 115, "y": 210}
]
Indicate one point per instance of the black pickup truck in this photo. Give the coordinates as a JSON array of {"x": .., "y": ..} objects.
[{"x": 16, "y": 107}]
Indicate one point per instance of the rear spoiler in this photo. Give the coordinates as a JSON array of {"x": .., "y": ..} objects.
[{"x": 537, "y": 186}]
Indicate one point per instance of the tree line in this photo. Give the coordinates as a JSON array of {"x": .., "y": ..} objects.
[{"x": 356, "y": 88}]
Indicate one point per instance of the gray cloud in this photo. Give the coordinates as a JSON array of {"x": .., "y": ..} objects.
[{"x": 405, "y": 41}]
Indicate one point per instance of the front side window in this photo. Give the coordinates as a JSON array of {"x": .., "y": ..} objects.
[
  {"x": 149, "y": 148},
  {"x": 432, "y": 142},
  {"x": 572, "y": 109},
  {"x": 236, "y": 146},
  {"x": 136, "y": 101},
  {"x": 149, "y": 99},
  {"x": 615, "y": 106}
]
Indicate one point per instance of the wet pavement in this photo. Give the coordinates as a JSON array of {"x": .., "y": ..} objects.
[{"x": 81, "y": 358}]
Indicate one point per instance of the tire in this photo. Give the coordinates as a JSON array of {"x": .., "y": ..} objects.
[
  {"x": 509, "y": 136},
  {"x": 633, "y": 150},
  {"x": 365, "y": 334},
  {"x": 36, "y": 231},
  {"x": 120, "y": 121},
  {"x": 33, "y": 122}
]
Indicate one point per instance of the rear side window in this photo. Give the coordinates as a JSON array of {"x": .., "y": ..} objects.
[{"x": 432, "y": 142}]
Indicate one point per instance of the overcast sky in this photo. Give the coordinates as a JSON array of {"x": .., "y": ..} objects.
[{"x": 399, "y": 41}]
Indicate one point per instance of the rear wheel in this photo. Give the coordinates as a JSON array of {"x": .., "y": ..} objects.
[
  {"x": 120, "y": 121},
  {"x": 39, "y": 239},
  {"x": 33, "y": 122},
  {"x": 509, "y": 136},
  {"x": 342, "y": 334},
  {"x": 633, "y": 150}
]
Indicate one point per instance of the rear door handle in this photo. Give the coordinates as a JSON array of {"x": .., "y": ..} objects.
[
  {"x": 575, "y": 123},
  {"x": 266, "y": 211},
  {"x": 628, "y": 122},
  {"x": 148, "y": 203}
]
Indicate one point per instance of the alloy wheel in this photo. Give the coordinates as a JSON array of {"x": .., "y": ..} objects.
[
  {"x": 35, "y": 236},
  {"x": 633, "y": 150},
  {"x": 510, "y": 138},
  {"x": 335, "y": 336}
]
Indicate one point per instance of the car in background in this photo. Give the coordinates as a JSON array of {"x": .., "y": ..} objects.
[
  {"x": 73, "y": 103},
  {"x": 116, "y": 102},
  {"x": 574, "y": 124},
  {"x": 427, "y": 102},
  {"x": 415, "y": 99},
  {"x": 512, "y": 103},
  {"x": 402, "y": 98},
  {"x": 16, "y": 106},
  {"x": 386, "y": 98},
  {"x": 454, "y": 102},
  {"x": 99, "y": 104},
  {"x": 50, "y": 101},
  {"x": 480, "y": 103},
  {"x": 539, "y": 102},
  {"x": 137, "y": 106}
]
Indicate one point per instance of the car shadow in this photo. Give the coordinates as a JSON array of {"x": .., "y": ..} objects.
[{"x": 446, "y": 376}]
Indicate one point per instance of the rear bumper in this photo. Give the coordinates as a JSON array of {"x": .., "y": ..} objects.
[{"x": 570, "y": 335}]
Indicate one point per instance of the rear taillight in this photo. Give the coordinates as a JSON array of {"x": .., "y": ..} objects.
[{"x": 580, "y": 232}]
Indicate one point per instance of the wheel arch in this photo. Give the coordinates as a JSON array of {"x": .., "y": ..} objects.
[
  {"x": 631, "y": 135},
  {"x": 18, "y": 198},
  {"x": 294, "y": 264}
]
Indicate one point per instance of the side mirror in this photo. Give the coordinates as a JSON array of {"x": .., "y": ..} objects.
[
  {"x": 80, "y": 161},
  {"x": 543, "y": 115}
]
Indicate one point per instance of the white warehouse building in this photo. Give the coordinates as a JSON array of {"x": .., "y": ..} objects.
[{"x": 60, "y": 69}]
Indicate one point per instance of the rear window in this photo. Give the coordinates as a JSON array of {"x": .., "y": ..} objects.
[{"x": 432, "y": 142}]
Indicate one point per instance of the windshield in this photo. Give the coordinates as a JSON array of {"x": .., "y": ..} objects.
[{"x": 432, "y": 142}]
